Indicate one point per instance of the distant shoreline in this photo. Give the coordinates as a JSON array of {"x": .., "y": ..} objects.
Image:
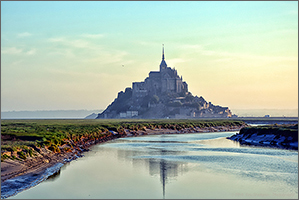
[
  {"x": 48, "y": 114},
  {"x": 271, "y": 120},
  {"x": 245, "y": 119},
  {"x": 82, "y": 113}
]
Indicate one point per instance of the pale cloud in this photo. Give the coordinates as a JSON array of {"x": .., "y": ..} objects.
[
  {"x": 18, "y": 62},
  {"x": 62, "y": 52},
  {"x": 80, "y": 44},
  {"x": 73, "y": 43},
  {"x": 104, "y": 57},
  {"x": 223, "y": 60},
  {"x": 174, "y": 61},
  {"x": 252, "y": 57},
  {"x": 57, "y": 39},
  {"x": 225, "y": 55},
  {"x": 11, "y": 50},
  {"x": 72, "y": 73},
  {"x": 93, "y": 36},
  {"x": 17, "y": 51},
  {"x": 192, "y": 46},
  {"x": 292, "y": 11},
  {"x": 197, "y": 48},
  {"x": 24, "y": 34},
  {"x": 86, "y": 51},
  {"x": 145, "y": 43},
  {"x": 67, "y": 46},
  {"x": 31, "y": 52}
]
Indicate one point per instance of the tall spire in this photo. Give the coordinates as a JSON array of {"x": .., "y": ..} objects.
[
  {"x": 163, "y": 57},
  {"x": 163, "y": 64}
]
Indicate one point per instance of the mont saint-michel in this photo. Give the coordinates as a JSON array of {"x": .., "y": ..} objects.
[{"x": 163, "y": 94}]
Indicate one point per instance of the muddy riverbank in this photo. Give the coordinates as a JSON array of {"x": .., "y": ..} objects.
[{"x": 37, "y": 166}]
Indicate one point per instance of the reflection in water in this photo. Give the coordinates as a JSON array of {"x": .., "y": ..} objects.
[
  {"x": 57, "y": 174},
  {"x": 54, "y": 176},
  {"x": 154, "y": 153},
  {"x": 167, "y": 170},
  {"x": 163, "y": 175},
  {"x": 204, "y": 166}
]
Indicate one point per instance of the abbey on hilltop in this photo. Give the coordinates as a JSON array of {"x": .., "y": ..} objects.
[
  {"x": 163, "y": 94},
  {"x": 160, "y": 82}
]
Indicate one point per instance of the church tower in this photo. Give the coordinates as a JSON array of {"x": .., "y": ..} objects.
[{"x": 163, "y": 64}]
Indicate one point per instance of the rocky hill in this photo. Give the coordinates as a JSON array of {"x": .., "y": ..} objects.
[{"x": 163, "y": 94}]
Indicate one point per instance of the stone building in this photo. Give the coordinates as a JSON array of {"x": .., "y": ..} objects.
[
  {"x": 163, "y": 94},
  {"x": 160, "y": 82}
]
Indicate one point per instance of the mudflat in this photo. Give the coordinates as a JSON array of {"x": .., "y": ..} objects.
[{"x": 32, "y": 165}]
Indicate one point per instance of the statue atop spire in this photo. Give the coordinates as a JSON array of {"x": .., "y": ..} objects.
[
  {"x": 163, "y": 57},
  {"x": 163, "y": 64}
]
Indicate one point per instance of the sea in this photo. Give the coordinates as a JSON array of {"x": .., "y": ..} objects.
[{"x": 174, "y": 166}]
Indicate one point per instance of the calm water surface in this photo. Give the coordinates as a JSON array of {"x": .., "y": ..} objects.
[{"x": 185, "y": 166}]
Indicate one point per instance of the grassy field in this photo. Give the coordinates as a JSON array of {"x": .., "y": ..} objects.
[{"x": 23, "y": 137}]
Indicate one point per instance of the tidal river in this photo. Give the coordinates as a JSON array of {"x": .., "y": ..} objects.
[{"x": 181, "y": 166}]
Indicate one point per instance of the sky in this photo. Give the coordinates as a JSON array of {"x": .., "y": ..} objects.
[{"x": 63, "y": 55}]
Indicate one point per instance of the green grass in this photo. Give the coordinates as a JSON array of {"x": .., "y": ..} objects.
[{"x": 25, "y": 136}]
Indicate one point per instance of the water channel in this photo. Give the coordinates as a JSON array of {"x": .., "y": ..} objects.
[{"x": 181, "y": 166}]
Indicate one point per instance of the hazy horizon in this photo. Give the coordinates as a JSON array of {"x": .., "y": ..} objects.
[
  {"x": 69, "y": 55},
  {"x": 48, "y": 114},
  {"x": 82, "y": 113}
]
